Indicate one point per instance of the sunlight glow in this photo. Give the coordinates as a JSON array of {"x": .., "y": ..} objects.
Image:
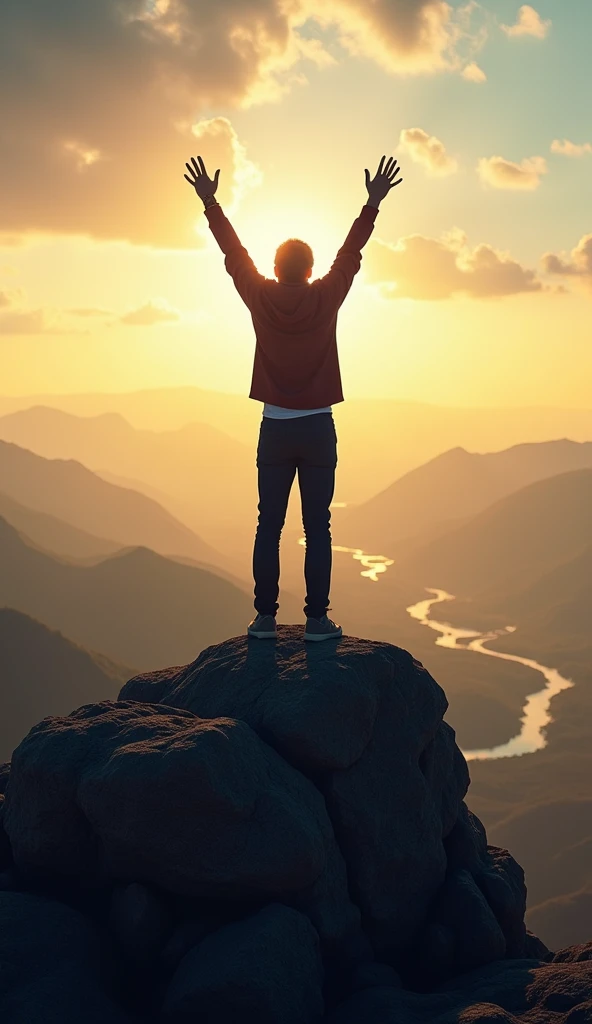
[{"x": 261, "y": 235}]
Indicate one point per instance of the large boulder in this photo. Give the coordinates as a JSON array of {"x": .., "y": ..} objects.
[
  {"x": 276, "y": 826},
  {"x": 154, "y": 794},
  {"x": 266, "y": 968},
  {"x": 364, "y": 721},
  {"x": 503, "y": 992},
  {"x": 51, "y": 965}
]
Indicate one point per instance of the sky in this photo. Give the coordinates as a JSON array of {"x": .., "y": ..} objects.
[{"x": 476, "y": 286}]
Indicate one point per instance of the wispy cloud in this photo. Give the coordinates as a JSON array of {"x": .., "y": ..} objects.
[
  {"x": 473, "y": 73},
  {"x": 149, "y": 314},
  {"x": 578, "y": 263},
  {"x": 567, "y": 148},
  {"x": 428, "y": 151},
  {"x": 498, "y": 172},
  {"x": 529, "y": 23},
  {"x": 35, "y": 321}
]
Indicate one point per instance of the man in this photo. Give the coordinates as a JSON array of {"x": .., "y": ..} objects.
[{"x": 296, "y": 376}]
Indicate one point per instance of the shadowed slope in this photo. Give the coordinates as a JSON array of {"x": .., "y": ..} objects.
[
  {"x": 71, "y": 492},
  {"x": 454, "y": 486},
  {"x": 43, "y": 673},
  {"x": 513, "y": 542},
  {"x": 136, "y": 607}
]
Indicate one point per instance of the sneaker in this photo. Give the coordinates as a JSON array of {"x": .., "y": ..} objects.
[
  {"x": 262, "y": 626},
  {"x": 320, "y": 629}
]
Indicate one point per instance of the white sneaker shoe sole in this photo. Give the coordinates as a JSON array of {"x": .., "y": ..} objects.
[
  {"x": 262, "y": 636},
  {"x": 323, "y": 636}
]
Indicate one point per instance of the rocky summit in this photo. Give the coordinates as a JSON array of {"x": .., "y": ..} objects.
[{"x": 275, "y": 833}]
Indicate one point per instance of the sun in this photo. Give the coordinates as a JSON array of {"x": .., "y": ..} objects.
[{"x": 262, "y": 233}]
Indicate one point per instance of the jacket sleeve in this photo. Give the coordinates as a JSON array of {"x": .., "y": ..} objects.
[
  {"x": 237, "y": 261},
  {"x": 346, "y": 264}
]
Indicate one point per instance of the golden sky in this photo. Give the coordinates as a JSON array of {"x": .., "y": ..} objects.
[{"x": 476, "y": 286}]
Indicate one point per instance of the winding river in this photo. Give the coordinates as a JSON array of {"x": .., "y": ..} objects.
[{"x": 536, "y": 712}]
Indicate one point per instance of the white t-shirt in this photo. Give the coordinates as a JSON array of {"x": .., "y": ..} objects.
[{"x": 278, "y": 412}]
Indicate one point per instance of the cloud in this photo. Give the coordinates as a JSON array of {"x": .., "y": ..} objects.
[
  {"x": 529, "y": 23},
  {"x": 434, "y": 269},
  {"x": 473, "y": 73},
  {"x": 15, "y": 318},
  {"x": 402, "y": 36},
  {"x": 98, "y": 100},
  {"x": 150, "y": 314},
  {"x": 216, "y": 138},
  {"x": 501, "y": 173},
  {"x": 35, "y": 321},
  {"x": 577, "y": 264},
  {"x": 567, "y": 148},
  {"x": 11, "y": 297},
  {"x": 427, "y": 150}
]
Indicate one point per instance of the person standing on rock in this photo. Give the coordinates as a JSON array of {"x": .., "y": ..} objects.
[{"x": 296, "y": 375}]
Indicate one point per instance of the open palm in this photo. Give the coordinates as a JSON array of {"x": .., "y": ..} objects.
[
  {"x": 203, "y": 185},
  {"x": 385, "y": 178}
]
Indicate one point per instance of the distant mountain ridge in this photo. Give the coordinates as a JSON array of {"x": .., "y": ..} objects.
[
  {"x": 454, "y": 486},
  {"x": 69, "y": 491},
  {"x": 136, "y": 606},
  {"x": 43, "y": 673},
  {"x": 410, "y": 433},
  {"x": 52, "y": 534},
  {"x": 197, "y": 472},
  {"x": 513, "y": 542}
]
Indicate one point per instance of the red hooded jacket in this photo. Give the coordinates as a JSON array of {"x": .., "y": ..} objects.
[{"x": 296, "y": 363}]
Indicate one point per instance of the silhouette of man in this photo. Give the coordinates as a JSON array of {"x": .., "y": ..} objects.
[{"x": 296, "y": 376}]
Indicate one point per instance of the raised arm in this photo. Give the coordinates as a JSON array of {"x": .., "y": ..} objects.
[
  {"x": 349, "y": 258},
  {"x": 238, "y": 263}
]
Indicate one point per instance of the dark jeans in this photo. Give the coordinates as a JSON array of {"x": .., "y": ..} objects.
[{"x": 307, "y": 444}]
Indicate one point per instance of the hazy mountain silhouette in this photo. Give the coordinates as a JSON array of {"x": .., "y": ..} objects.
[
  {"x": 70, "y": 491},
  {"x": 136, "y": 607},
  {"x": 425, "y": 503},
  {"x": 559, "y": 602},
  {"x": 513, "y": 542},
  {"x": 197, "y": 471},
  {"x": 565, "y": 915},
  {"x": 43, "y": 673},
  {"x": 411, "y": 433},
  {"x": 53, "y": 534},
  {"x": 563, "y": 829}
]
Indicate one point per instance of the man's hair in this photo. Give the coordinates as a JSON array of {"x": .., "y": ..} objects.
[{"x": 293, "y": 258}]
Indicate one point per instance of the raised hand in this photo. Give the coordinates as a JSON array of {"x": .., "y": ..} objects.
[
  {"x": 384, "y": 179},
  {"x": 203, "y": 185}
]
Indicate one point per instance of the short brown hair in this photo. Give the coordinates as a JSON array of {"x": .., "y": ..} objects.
[{"x": 293, "y": 258}]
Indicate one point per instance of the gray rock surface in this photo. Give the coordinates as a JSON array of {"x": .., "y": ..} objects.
[
  {"x": 50, "y": 965},
  {"x": 503, "y": 992},
  {"x": 141, "y": 922},
  {"x": 271, "y": 815},
  {"x": 266, "y": 968},
  {"x": 363, "y": 719},
  {"x": 198, "y": 807}
]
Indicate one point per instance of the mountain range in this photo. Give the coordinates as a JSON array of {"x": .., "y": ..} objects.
[
  {"x": 512, "y": 543},
  {"x": 43, "y": 673},
  {"x": 431, "y": 500},
  {"x": 72, "y": 493},
  {"x": 380, "y": 439},
  {"x": 136, "y": 606}
]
